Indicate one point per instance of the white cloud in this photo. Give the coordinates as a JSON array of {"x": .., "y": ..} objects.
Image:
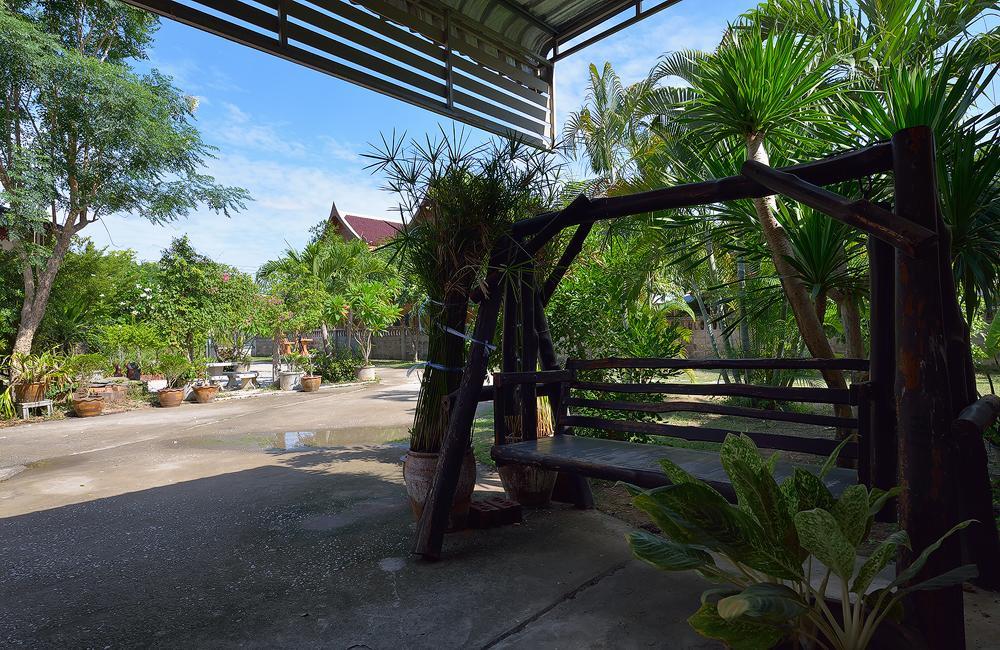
[
  {"x": 239, "y": 129},
  {"x": 289, "y": 199}
]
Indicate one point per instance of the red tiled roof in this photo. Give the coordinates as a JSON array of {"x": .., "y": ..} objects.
[{"x": 373, "y": 231}]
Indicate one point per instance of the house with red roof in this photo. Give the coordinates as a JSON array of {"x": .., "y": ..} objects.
[{"x": 373, "y": 230}]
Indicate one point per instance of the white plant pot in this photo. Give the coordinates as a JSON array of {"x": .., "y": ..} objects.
[
  {"x": 289, "y": 380},
  {"x": 367, "y": 374}
]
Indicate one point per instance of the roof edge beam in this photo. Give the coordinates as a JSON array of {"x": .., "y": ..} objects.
[{"x": 595, "y": 18}]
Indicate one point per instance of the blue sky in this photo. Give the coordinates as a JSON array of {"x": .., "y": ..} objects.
[{"x": 293, "y": 137}]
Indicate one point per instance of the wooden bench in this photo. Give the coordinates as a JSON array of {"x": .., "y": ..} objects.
[{"x": 638, "y": 463}]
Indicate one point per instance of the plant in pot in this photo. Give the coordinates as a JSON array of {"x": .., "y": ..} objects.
[
  {"x": 369, "y": 308},
  {"x": 203, "y": 389},
  {"x": 456, "y": 201},
  {"x": 310, "y": 381},
  {"x": 780, "y": 546},
  {"x": 176, "y": 370},
  {"x": 31, "y": 374},
  {"x": 291, "y": 376},
  {"x": 81, "y": 370}
]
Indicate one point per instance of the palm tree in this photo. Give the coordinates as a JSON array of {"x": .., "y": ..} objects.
[{"x": 754, "y": 92}]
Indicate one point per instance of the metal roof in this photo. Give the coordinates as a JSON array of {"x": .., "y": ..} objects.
[{"x": 488, "y": 63}]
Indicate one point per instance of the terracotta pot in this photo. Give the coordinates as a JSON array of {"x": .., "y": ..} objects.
[
  {"x": 529, "y": 486},
  {"x": 418, "y": 474},
  {"x": 171, "y": 397},
  {"x": 88, "y": 407},
  {"x": 310, "y": 384},
  {"x": 205, "y": 394},
  {"x": 33, "y": 392},
  {"x": 367, "y": 374}
]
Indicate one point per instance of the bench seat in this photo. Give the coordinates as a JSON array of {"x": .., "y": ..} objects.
[{"x": 638, "y": 464}]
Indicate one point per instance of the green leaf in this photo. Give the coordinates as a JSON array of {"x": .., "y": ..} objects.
[
  {"x": 667, "y": 555},
  {"x": 695, "y": 514},
  {"x": 811, "y": 491},
  {"x": 831, "y": 460},
  {"x": 911, "y": 571},
  {"x": 879, "y": 559},
  {"x": 632, "y": 490},
  {"x": 764, "y": 601},
  {"x": 956, "y": 576},
  {"x": 851, "y": 513},
  {"x": 877, "y": 499},
  {"x": 820, "y": 535},
  {"x": 741, "y": 634},
  {"x": 715, "y": 594},
  {"x": 756, "y": 490}
]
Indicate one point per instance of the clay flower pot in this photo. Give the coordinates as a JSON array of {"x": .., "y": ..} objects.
[
  {"x": 418, "y": 474},
  {"x": 310, "y": 384},
  {"x": 171, "y": 397},
  {"x": 88, "y": 407},
  {"x": 33, "y": 392},
  {"x": 205, "y": 394}
]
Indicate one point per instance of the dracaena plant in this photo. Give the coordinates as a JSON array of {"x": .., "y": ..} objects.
[{"x": 779, "y": 546}]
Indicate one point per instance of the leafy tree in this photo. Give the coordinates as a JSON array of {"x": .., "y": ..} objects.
[
  {"x": 371, "y": 307},
  {"x": 82, "y": 136}
]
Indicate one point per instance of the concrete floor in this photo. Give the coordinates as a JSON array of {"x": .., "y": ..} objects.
[{"x": 281, "y": 521}]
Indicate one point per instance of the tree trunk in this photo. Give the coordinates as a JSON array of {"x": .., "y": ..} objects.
[
  {"x": 324, "y": 332},
  {"x": 37, "y": 290},
  {"x": 798, "y": 295},
  {"x": 810, "y": 327}
]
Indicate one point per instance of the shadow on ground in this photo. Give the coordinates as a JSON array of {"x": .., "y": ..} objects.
[{"x": 315, "y": 551}]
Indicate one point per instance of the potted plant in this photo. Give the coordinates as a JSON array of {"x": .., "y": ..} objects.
[
  {"x": 310, "y": 381},
  {"x": 456, "y": 203},
  {"x": 176, "y": 370},
  {"x": 81, "y": 370},
  {"x": 289, "y": 378},
  {"x": 203, "y": 389},
  {"x": 370, "y": 308},
  {"x": 31, "y": 374},
  {"x": 773, "y": 543}
]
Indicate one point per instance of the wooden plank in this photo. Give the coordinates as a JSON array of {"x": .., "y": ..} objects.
[
  {"x": 835, "y": 169},
  {"x": 717, "y": 409},
  {"x": 722, "y": 364},
  {"x": 794, "y": 394},
  {"x": 537, "y": 376},
  {"x": 434, "y": 519},
  {"x": 818, "y": 446},
  {"x": 929, "y": 466},
  {"x": 500, "y": 432},
  {"x": 878, "y": 222},
  {"x": 638, "y": 464}
]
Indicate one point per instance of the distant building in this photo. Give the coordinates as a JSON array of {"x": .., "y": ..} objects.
[{"x": 372, "y": 230}]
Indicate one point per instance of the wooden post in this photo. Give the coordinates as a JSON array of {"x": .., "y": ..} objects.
[
  {"x": 928, "y": 459},
  {"x": 882, "y": 366},
  {"x": 529, "y": 356},
  {"x": 570, "y": 487},
  {"x": 434, "y": 519},
  {"x": 499, "y": 410}
]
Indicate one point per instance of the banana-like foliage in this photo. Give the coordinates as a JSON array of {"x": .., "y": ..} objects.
[{"x": 775, "y": 540}]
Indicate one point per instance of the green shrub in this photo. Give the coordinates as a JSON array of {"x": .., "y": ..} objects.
[
  {"x": 338, "y": 365},
  {"x": 175, "y": 368},
  {"x": 775, "y": 541}
]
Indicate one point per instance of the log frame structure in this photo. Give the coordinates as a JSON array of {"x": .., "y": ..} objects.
[{"x": 921, "y": 405}]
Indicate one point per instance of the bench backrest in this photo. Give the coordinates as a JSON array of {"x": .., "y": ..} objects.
[{"x": 610, "y": 400}]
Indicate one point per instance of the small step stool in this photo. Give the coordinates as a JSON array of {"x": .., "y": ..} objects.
[{"x": 27, "y": 406}]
